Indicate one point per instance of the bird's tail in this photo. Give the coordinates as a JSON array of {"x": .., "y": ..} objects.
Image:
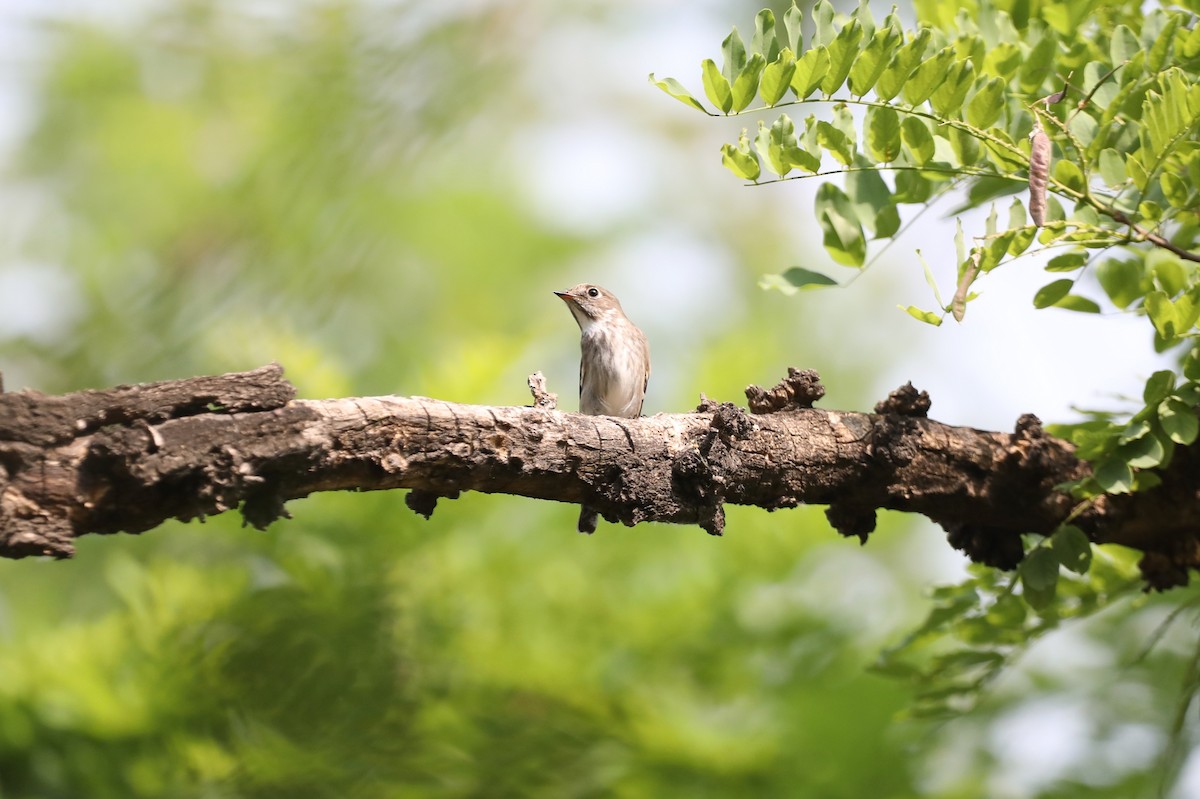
[{"x": 588, "y": 519}]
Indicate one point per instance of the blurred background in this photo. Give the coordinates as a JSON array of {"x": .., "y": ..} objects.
[{"x": 381, "y": 197}]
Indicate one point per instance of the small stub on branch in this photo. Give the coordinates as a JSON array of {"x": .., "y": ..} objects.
[
  {"x": 906, "y": 401},
  {"x": 542, "y": 398},
  {"x": 1029, "y": 426},
  {"x": 731, "y": 422},
  {"x": 851, "y": 521},
  {"x": 421, "y": 502},
  {"x": 800, "y": 389},
  {"x": 991, "y": 546},
  {"x": 1161, "y": 573}
]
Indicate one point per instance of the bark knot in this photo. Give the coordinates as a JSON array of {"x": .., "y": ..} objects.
[
  {"x": 905, "y": 401},
  {"x": 699, "y": 472},
  {"x": 800, "y": 389}
]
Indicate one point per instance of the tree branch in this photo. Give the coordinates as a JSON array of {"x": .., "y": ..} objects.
[{"x": 129, "y": 458}]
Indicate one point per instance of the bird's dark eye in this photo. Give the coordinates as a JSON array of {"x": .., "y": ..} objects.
[{"x": 593, "y": 292}]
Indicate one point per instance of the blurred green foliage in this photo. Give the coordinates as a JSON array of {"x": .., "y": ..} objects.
[{"x": 326, "y": 185}]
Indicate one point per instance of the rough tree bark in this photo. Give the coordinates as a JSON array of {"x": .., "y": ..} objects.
[{"x": 127, "y": 459}]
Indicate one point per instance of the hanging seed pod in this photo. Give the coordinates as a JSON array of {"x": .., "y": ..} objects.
[
  {"x": 1039, "y": 172},
  {"x": 958, "y": 305}
]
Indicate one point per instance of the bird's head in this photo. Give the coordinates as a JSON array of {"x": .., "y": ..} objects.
[{"x": 590, "y": 304}]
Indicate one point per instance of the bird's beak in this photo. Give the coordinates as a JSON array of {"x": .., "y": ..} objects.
[{"x": 565, "y": 296}]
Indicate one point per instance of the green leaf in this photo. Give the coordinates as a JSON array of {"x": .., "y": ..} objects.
[
  {"x": 842, "y": 53},
  {"x": 947, "y": 99},
  {"x": 1039, "y": 64},
  {"x": 810, "y": 71},
  {"x": 843, "y": 120},
  {"x": 928, "y": 76},
  {"x": 1137, "y": 172},
  {"x": 883, "y": 133},
  {"x": 1112, "y": 167},
  {"x": 928, "y": 317},
  {"x": 1099, "y": 84},
  {"x": 969, "y": 46},
  {"x": 1093, "y": 440},
  {"x": 835, "y": 142},
  {"x": 746, "y": 85},
  {"x": 873, "y": 60},
  {"x": 1021, "y": 240},
  {"x": 1069, "y": 174},
  {"x": 843, "y": 234},
  {"x": 1004, "y": 153},
  {"x": 887, "y": 221},
  {"x": 1122, "y": 45},
  {"x": 1023, "y": 234},
  {"x": 918, "y": 141},
  {"x": 1006, "y": 619},
  {"x": 1073, "y": 302},
  {"x": 1084, "y": 128},
  {"x": 740, "y": 160},
  {"x": 781, "y": 149},
  {"x": 960, "y": 242},
  {"x": 769, "y": 151},
  {"x": 1114, "y": 476},
  {"x": 822, "y": 14},
  {"x": 793, "y": 20},
  {"x": 1157, "y": 55},
  {"x": 1169, "y": 112},
  {"x": 914, "y": 187},
  {"x": 988, "y": 103},
  {"x": 1144, "y": 481},
  {"x": 1135, "y": 429},
  {"x": 1002, "y": 60},
  {"x": 1187, "y": 45},
  {"x": 1158, "y": 387},
  {"x": 865, "y": 18},
  {"x": 801, "y": 158},
  {"x": 1191, "y": 364},
  {"x": 716, "y": 86},
  {"x": 1084, "y": 215},
  {"x": 1149, "y": 210},
  {"x": 1188, "y": 393},
  {"x": 1051, "y": 293},
  {"x": 1168, "y": 271},
  {"x": 764, "y": 40},
  {"x": 795, "y": 279},
  {"x": 1039, "y": 570},
  {"x": 966, "y": 147},
  {"x": 734, "y": 51},
  {"x": 1072, "y": 548},
  {"x": 995, "y": 249},
  {"x": 1067, "y": 262},
  {"x": 1146, "y": 452},
  {"x": 777, "y": 77},
  {"x": 872, "y": 201},
  {"x": 676, "y": 90},
  {"x": 1016, "y": 214},
  {"x": 1178, "y": 421},
  {"x": 930, "y": 280},
  {"x": 1175, "y": 190},
  {"x": 1162, "y": 314},
  {"x": 901, "y": 66},
  {"x": 1121, "y": 280}
]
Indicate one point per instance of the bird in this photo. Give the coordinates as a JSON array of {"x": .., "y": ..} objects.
[{"x": 614, "y": 363}]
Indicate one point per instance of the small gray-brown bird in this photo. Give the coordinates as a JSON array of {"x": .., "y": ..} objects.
[{"x": 614, "y": 364}]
